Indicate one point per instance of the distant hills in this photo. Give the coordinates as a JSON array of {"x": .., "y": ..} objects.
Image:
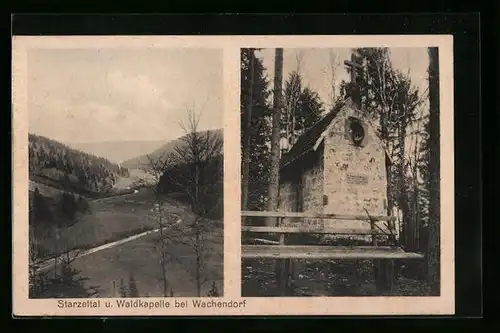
[
  {"x": 92, "y": 169},
  {"x": 141, "y": 161},
  {"x": 118, "y": 151}
]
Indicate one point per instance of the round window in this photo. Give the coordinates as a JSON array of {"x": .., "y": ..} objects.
[{"x": 357, "y": 132}]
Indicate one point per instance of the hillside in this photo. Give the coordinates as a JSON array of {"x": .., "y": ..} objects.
[
  {"x": 117, "y": 151},
  {"x": 141, "y": 161},
  {"x": 57, "y": 165}
]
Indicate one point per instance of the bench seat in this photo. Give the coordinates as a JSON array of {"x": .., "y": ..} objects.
[{"x": 326, "y": 252}]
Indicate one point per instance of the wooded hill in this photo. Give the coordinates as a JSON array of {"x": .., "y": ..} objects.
[
  {"x": 142, "y": 161},
  {"x": 58, "y": 165}
]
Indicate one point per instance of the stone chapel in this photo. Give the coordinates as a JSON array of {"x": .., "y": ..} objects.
[{"x": 337, "y": 167}]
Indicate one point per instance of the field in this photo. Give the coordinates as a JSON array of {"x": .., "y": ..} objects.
[
  {"x": 136, "y": 176},
  {"x": 45, "y": 190},
  {"x": 110, "y": 219},
  {"x": 118, "y": 217},
  {"x": 140, "y": 259}
]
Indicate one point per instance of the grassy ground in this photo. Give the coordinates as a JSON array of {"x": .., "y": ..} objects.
[
  {"x": 142, "y": 260},
  {"x": 45, "y": 190},
  {"x": 111, "y": 219},
  {"x": 136, "y": 176},
  {"x": 324, "y": 278},
  {"x": 115, "y": 218}
]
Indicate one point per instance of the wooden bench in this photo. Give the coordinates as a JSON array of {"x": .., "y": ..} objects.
[{"x": 280, "y": 250}]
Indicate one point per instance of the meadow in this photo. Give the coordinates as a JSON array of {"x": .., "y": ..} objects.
[
  {"x": 139, "y": 258},
  {"x": 114, "y": 218},
  {"x": 108, "y": 220}
]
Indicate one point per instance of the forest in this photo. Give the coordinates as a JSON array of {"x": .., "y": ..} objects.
[
  {"x": 78, "y": 176},
  {"x": 61, "y": 166},
  {"x": 404, "y": 117}
]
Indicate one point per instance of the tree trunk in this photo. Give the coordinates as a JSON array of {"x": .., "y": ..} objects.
[
  {"x": 384, "y": 269},
  {"x": 433, "y": 256},
  {"x": 246, "y": 143},
  {"x": 275, "y": 139},
  {"x": 56, "y": 254},
  {"x": 164, "y": 274},
  {"x": 158, "y": 209},
  {"x": 275, "y": 157},
  {"x": 404, "y": 204},
  {"x": 198, "y": 274}
]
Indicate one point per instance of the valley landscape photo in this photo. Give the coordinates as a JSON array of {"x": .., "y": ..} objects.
[{"x": 125, "y": 173}]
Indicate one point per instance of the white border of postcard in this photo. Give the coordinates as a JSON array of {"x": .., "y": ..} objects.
[{"x": 232, "y": 303}]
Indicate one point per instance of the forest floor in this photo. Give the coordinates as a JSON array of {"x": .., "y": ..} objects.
[{"x": 325, "y": 278}]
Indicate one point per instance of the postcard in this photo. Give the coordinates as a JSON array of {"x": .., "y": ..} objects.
[{"x": 233, "y": 175}]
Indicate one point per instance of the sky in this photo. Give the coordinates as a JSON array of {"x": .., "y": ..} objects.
[
  {"x": 315, "y": 66},
  {"x": 93, "y": 95}
]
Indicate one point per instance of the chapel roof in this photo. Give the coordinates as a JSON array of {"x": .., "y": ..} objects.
[{"x": 307, "y": 140}]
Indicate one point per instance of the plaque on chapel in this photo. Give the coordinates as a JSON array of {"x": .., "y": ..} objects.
[{"x": 356, "y": 179}]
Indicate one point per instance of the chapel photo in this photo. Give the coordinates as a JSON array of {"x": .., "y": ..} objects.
[{"x": 340, "y": 172}]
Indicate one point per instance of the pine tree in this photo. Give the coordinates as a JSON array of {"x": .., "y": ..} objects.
[
  {"x": 41, "y": 211},
  {"x": 434, "y": 174},
  {"x": 260, "y": 129},
  {"x": 311, "y": 109},
  {"x": 67, "y": 283},
  {"x": 302, "y": 108},
  {"x": 290, "y": 113},
  {"x": 68, "y": 207},
  {"x": 214, "y": 291},
  {"x": 122, "y": 288},
  {"x": 132, "y": 287},
  {"x": 82, "y": 204}
]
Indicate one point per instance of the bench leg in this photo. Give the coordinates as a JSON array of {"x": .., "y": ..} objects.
[
  {"x": 281, "y": 276},
  {"x": 289, "y": 275},
  {"x": 384, "y": 275}
]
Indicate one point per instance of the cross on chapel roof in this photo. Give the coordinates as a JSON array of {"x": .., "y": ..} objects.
[{"x": 356, "y": 67}]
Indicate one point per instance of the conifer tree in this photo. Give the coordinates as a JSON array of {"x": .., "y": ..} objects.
[
  {"x": 132, "y": 287},
  {"x": 122, "y": 288}
]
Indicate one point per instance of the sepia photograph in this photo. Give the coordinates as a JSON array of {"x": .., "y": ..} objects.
[
  {"x": 233, "y": 175},
  {"x": 125, "y": 172},
  {"x": 340, "y": 171}
]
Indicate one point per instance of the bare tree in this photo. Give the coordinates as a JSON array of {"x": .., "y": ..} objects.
[
  {"x": 157, "y": 167},
  {"x": 190, "y": 168},
  {"x": 334, "y": 63},
  {"x": 293, "y": 90}
]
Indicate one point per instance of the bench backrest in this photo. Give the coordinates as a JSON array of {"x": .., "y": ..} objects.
[{"x": 276, "y": 249}]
